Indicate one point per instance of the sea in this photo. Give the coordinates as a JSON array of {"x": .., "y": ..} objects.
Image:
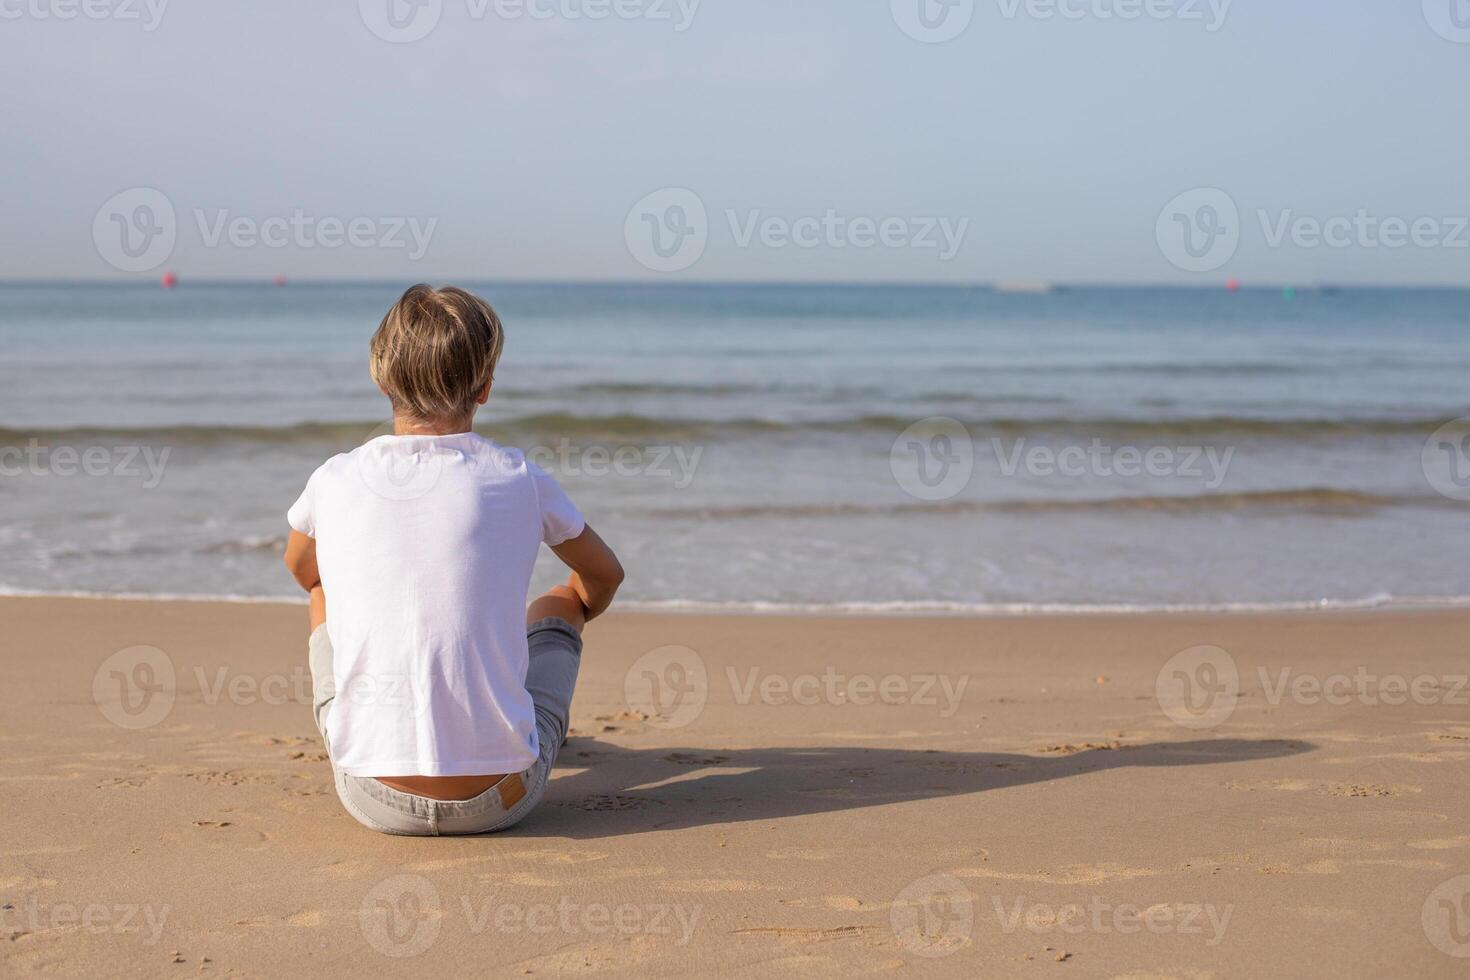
[{"x": 783, "y": 447}]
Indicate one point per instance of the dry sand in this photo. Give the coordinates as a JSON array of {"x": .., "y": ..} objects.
[{"x": 1052, "y": 820}]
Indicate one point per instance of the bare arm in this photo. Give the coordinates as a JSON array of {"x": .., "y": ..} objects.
[
  {"x": 301, "y": 562},
  {"x": 596, "y": 571}
]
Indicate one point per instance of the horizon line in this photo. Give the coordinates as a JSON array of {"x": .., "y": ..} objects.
[{"x": 1008, "y": 286}]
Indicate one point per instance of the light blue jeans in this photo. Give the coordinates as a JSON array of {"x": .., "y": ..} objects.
[{"x": 556, "y": 654}]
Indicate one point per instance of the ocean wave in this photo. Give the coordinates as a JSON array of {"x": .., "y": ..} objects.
[
  {"x": 1324, "y": 500},
  {"x": 246, "y": 545},
  {"x": 897, "y": 607},
  {"x": 628, "y": 426},
  {"x": 1179, "y": 369}
]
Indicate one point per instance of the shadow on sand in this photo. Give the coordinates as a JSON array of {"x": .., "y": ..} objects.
[{"x": 629, "y": 791}]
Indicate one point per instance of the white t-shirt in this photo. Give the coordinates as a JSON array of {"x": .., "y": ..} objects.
[{"x": 425, "y": 546}]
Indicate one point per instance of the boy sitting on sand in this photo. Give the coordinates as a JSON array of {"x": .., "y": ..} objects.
[{"x": 441, "y": 698}]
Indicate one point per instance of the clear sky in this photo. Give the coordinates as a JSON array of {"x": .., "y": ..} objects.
[{"x": 1043, "y": 141}]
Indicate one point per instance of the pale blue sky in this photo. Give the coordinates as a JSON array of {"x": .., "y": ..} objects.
[{"x": 527, "y": 141}]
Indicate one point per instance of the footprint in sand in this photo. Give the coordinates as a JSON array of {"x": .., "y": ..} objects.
[
  {"x": 1072, "y": 874},
  {"x": 1324, "y": 788},
  {"x": 695, "y": 759},
  {"x": 801, "y": 854},
  {"x": 1324, "y": 914},
  {"x": 262, "y": 739},
  {"x": 838, "y": 903},
  {"x": 595, "y": 958},
  {"x": 603, "y": 801},
  {"x": 23, "y": 881},
  {"x": 713, "y": 885},
  {"x": 233, "y": 777},
  {"x": 791, "y": 934},
  {"x": 542, "y": 856},
  {"x": 623, "y": 716},
  {"x": 1441, "y": 844}
]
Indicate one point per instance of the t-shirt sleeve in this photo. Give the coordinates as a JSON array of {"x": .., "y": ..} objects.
[
  {"x": 560, "y": 518},
  {"x": 302, "y": 515}
]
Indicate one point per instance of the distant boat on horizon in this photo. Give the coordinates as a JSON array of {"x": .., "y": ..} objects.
[{"x": 1024, "y": 287}]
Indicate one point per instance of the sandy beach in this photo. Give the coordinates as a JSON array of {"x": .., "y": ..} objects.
[{"x": 1006, "y": 796}]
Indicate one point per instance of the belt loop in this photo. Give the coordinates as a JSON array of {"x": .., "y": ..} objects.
[{"x": 433, "y": 818}]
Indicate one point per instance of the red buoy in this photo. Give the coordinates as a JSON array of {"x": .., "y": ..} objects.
[
  {"x": 169, "y": 279},
  {"x": 279, "y": 280},
  {"x": 1233, "y": 285}
]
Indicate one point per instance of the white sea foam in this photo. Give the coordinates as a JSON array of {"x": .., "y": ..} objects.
[{"x": 893, "y": 608}]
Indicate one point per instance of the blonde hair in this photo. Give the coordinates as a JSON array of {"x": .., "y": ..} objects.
[{"x": 435, "y": 351}]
